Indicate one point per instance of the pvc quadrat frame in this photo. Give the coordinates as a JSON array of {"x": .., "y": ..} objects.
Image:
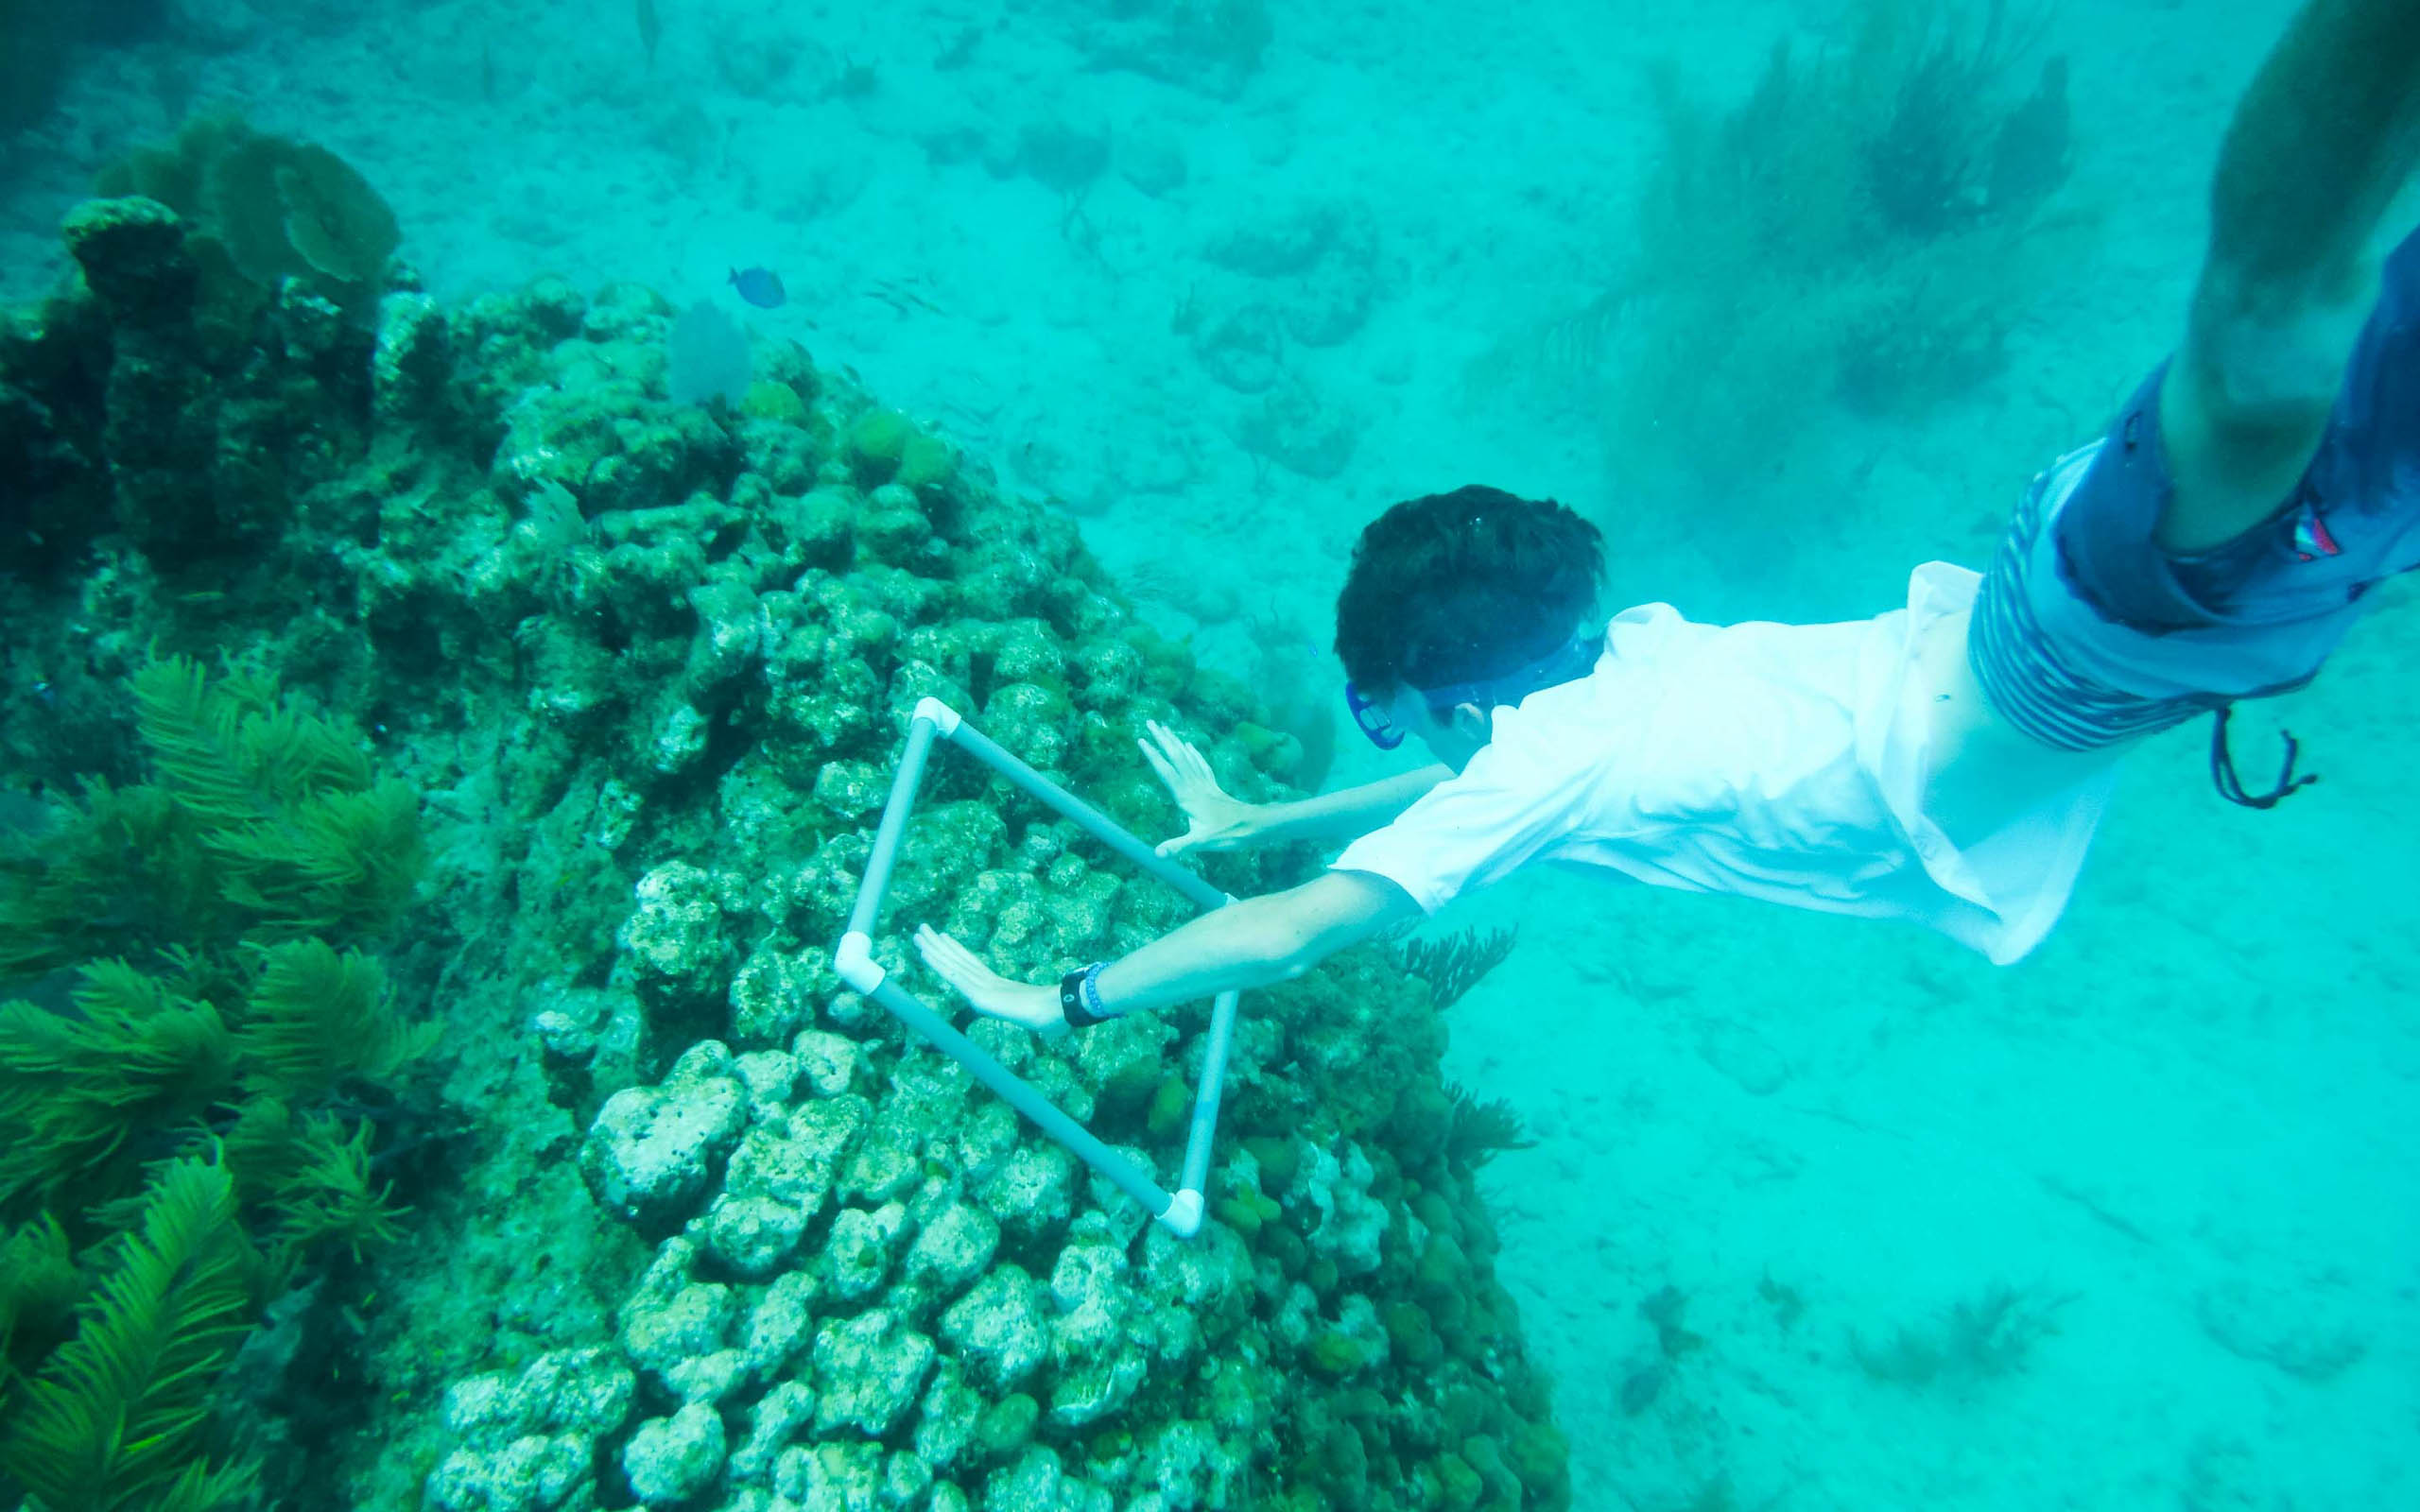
[{"x": 1179, "y": 1211}]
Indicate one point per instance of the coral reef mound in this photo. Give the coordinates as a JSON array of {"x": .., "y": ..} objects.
[{"x": 717, "y": 1234}]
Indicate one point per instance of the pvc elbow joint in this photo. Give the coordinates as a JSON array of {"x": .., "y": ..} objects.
[
  {"x": 1184, "y": 1216},
  {"x": 944, "y": 718},
  {"x": 855, "y": 961}
]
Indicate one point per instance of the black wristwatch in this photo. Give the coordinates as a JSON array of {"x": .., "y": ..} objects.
[{"x": 1078, "y": 999}]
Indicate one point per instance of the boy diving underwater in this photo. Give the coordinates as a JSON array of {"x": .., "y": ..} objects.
[{"x": 1947, "y": 762}]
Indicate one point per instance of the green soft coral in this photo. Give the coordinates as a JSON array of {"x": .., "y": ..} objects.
[
  {"x": 316, "y": 1016},
  {"x": 34, "y": 65},
  {"x": 314, "y": 1178},
  {"x": 307, "y": 838},
  {"x": 39, "y": 1289},
  {"x": 181, "y": 1085},
  {"x": 1866, "y": 227},
  {"x": 117, "y": 1419},
  {"x": 1479, "y": 1129},
  {"x": 260, "y": 822},
  {"x": 133, "y": 1056}
]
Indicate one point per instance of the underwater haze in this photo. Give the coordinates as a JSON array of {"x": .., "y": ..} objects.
[{"x": 485, "y": 483}]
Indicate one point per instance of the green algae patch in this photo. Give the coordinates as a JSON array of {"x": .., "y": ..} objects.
[
  {"x": 1007, "y": 1424},
  {"x": 879, "y": 444},
  {"x": 778, "y": 402},
  {"x": 1171, "y": 1109},
  {"x": 1278, "y": 1161},
  {"x": 1414, "y": 1336},
  {"x": 925, "y": 462},
  {"x": 1458, "y": 1485},
  {"x": 1246, "y": 1214},
  {"x": 1335, "y": 1355}
]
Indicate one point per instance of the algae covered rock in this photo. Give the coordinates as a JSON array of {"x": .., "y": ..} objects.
[
  {"x": 1032, "y": 1191},
  {"x": 832, "y": 1064},
  {"x": 677, "y": 1328},
  {"x": 954, "y": 1422},
  {"x": 868, "y": 1371},
  {"x": 796, "y": 1161},
  {"x": 1038, "y": 1482},
  {"x": 999, "y": 1328},
  {"x": 668, "y": 1460},
  {"x": 528, "y": 1439},
  {"x": 134, "y": 256},
  {"x": 533, "y": 1473},
  {"x": 772, "y": 998},
  {"x": 859, "y": 1249},
  {"x": 675, "y": 942},
  {"x": 413, "y": 362},
  {"x": 780, "y": 1324},
  {"x": 772, "y": 1422},
  {"x": 752, "y": 1236},
  {"x": 652, "y": 1150},
  {"x": 954, "y": 1248}
]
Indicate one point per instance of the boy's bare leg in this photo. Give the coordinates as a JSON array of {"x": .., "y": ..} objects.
[{"x": 2319, "y": 145}]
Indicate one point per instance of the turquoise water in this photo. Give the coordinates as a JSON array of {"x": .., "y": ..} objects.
[{"x": 1219, "y": 298}]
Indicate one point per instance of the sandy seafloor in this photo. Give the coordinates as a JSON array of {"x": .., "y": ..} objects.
[{"x": 2191, "y": 1114}]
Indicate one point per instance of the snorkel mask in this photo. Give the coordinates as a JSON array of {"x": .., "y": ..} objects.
[{"x": 1570, "y": 659}]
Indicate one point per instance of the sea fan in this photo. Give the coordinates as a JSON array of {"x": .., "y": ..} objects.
[{"x": 709, "y": 357}]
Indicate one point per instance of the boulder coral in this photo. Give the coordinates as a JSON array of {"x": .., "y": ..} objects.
[{"x": 723, "y": 1236}]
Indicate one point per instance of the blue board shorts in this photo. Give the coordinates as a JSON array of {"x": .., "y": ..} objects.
[{"x": 2086, "y": 633}]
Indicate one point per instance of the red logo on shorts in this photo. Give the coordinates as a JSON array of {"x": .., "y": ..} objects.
[{"x": 2311, "y": 539}]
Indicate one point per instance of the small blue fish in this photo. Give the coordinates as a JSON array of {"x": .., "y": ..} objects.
[{"x": 760, "y": 286}]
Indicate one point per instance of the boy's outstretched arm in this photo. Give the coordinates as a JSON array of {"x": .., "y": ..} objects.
[
  {"x": 2320, "y": 146},
  {"x": 1246, "y": 944}
]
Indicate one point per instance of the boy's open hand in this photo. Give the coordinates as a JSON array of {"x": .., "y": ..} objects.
[
  {"x": 1217, "y": 821},
  {"x": 990, "y": 993}
]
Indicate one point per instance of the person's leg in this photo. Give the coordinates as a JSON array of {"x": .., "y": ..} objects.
[
  {"x": 2320, "y": 143},
  {"x": 2218, "y": 543}
]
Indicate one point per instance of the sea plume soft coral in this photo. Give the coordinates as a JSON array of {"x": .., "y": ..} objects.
[
  {"x": 1456, "y": 964},
  {"x": 1481, "y": 1129},
  {"x": 1865, "y": 227}
]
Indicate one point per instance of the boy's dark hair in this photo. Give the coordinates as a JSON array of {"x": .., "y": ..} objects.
[{"x": 1457, "y": 587}]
